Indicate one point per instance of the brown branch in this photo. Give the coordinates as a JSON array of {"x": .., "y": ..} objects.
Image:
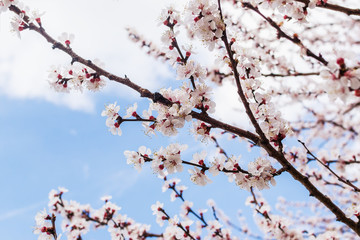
[
  {"x": 54, "y": 233},
  {"x": 282, "y": 34},
  {"x": 218, "y": 124},
  {"x": 334, "y": 7},
  {"x": 352, "y": 106},
  {"x": 295, "y": 74},
  {"x": 240, "y": 92}
]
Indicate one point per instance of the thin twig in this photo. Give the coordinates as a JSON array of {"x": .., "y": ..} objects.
[
  {"x": 347, "y": 182},
  {"x": 282, "y": 34},
  {"x": 334, "y": 7}
]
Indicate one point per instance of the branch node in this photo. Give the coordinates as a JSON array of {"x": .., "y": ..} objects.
[
  {"x": 160, "y": 98},
  {"x": 74, "y": 59},
  {"x": 56, "y": 45}
]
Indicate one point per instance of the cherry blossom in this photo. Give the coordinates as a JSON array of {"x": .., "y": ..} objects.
[
  {"x": 66, "y": 38},
  {"x": 295, "y": 75},
  {"x": 137, "y": 158},
  {"x": 4, "y": 4},
  {"x": 199, "y": 177}
]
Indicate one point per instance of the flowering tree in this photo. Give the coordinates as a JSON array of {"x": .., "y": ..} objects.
[{"x": 276, "y": 54}]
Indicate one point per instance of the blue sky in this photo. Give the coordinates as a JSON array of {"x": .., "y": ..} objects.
[{"x": 49, "y": 139}]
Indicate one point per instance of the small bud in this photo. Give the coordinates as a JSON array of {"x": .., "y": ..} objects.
[
  {"x": 357, "y": 92},
  {"x": 340, "y": 61}
]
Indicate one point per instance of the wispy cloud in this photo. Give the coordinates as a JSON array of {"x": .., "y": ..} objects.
[
  {"x": 20, "y": 211},
  {"x": 128, "y": 178}
]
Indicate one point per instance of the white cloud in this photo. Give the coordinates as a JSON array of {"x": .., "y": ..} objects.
[
  {"x": 20, "y": 211},
  {"x": 127, "y": 177},
  {"x": 86, "y": 171},
  {"x": 99, "y": 29},
  {"x": 228, "y": 106}
]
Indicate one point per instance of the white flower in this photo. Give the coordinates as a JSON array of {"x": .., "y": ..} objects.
[
  {"x": 106, "y": 198},
  {"x": 131, "y": 111},
  {"x": 199, "y": 177},
  {"x": 157, "y": 209},
  {"x": 18, "y": 24},
  {"x": 63, "y": 190},
  {"x": 41, "y": 217},
  {"x": 66, "y": 38},
  {"x": 199, "y": 158},
  {"x": 185, "y": 208},
  {"x": 114, "y": 126},
  {"x": 217, "y": 165},
  {"x": 173, "y": 162},
  {"x": 111, "y": 110},
  {"x": 353, "y": 210},
  {"x": 95, "y": 83},
  {"x": 4, "y": 4},
  {"x": 35, "y": 16}
]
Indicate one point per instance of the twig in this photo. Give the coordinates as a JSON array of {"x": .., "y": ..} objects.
[
  {"x": 334, "y": 7},
  {"x": 295, "y": 74},
  {"x": 282, "y": 34},
  {"x": 347, "y": 182}
]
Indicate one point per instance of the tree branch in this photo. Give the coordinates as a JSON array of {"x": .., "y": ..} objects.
[
  {"x": 282, "y": 34},
  {"x": 334, "y": 7}
]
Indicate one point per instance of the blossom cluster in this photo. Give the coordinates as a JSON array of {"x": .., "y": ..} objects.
[
  {"x": 4, "y": 4},
  {"x": 341, "y": 80},
  {"x": 274, "y": 226},
  {"x": 44, "y": 227},
  {"x": 19, "y": 22},
  {"x": 185, "y": 68},
  {"x": 184, "y": 100},
  {"x": 168, "y": 160},
  {"x": 169, "y": 117},
  {"x": 151, "y": 48},
  {"x": 288, "y": 9},
  {"x": 77, "y": 219},
  {"x": 259, "y": 174},
  {"x": 178, "y": 229},
  {"x": 74, "y": 77},
  {"x": 272, "y": 124},
  {"x": 214, "y": 228},
  {"x": 205, "y": 21},
  {"x": 113, "y": 118}
]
